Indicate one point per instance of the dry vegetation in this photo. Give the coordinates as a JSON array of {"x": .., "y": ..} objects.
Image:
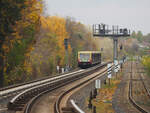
[{"x": 103, "y": 101}]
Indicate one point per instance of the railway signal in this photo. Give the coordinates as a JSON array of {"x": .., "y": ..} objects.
[
  {"x": 66, "y": 40},
  {"x": 121, "y": 47},
  {"x": 66, "y": 43},
  {"x": 103, "y": 30}
]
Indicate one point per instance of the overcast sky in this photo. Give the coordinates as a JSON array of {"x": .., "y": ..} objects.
[{"x": 133, "y": 14}]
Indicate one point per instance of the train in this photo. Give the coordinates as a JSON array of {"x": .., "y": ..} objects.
[{"x": 88, "y": 58}]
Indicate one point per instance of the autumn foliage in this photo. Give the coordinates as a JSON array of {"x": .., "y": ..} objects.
[
  {"x": 19, "y": 23},
  {"x": 10, "y": 13},
  {"x": 35, "y": 44},
  {"x": 146, "y": 63}
]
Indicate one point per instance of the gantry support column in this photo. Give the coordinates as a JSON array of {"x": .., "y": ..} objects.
[{"x": 115, "y": 52}]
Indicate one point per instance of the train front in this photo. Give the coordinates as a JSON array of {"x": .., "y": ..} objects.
[{"x": 84, "y": 59}]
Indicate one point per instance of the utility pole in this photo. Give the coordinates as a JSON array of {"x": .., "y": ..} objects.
[{"x": 102, "y": 30}]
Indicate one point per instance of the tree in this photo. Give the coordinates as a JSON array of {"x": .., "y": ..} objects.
[
  {"x": 80, "y": 38},
  {"x": 49, "y": 48},
  {"x": 139, "y": 36},
  {"x": 133, "y": 35},
  {"x": 10, "y": 13},
  {"x": 146, "y": 38},
  {"x": 25, "y": 36}
]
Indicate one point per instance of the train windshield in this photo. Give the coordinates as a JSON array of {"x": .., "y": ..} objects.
[{"x": 84, "y": 56}]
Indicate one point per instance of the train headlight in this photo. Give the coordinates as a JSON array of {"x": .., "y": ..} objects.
[
  {"x": 78, "y": 60},
  {"x": 90, "y": 60}
]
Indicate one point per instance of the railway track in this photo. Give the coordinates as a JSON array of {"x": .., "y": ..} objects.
[
  {"x": 59, "y": 104},
  {"x": 15, "y": 89},
  {"x": 7, "y": 93},
  {"x": 29, "y": 96},
  {"x": 63, "y": 83},
  {"x": 131, "y": 97},
  {"x": 18, "y": 102}
]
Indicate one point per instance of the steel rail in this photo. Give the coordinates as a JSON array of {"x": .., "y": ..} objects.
[
  {"x": 79, "y": 76},
  {"x": 138, "y": 107},
  {"x": 39, "y": 87},
  {"x": 57, "y": 103},
  {"x": 19, "y": 87},
  {"x": 32, "y": 92},
  {"x": 147, "y": 91}
]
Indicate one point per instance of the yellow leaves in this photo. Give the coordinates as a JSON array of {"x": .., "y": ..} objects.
[
  {"x": 27, "y": 54},
  {"x": 43, "y": 22},
  {"x": 146, "y": 61},
  {"x": 31, "y": 14},
  {"x": 31, "y": 48},
  {"x": 5, "y": 68},
  {"x": 28, "y": 67},
  {"x": 39, "y": 6},
  {"x": 69, "y": 48},
  {"x": 15, "y": 46},
  {"x": 56, "y": 26},
  {"x": 5, "y": 48},
  {"x": 32, "y": 17}
]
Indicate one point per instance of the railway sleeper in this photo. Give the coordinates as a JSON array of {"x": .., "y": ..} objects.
[
  {"x": 22, "y": 102},
  {"x": 68, "y": 110},
  {"x": 25, "y": 99},
  {"x": 18, "y": 109},
  {"x": 15, "y": 107},
  {"x": 18, "y": 105}
]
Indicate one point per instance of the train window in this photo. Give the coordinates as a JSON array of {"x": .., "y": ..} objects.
[{"x": 85, "y": 56}]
